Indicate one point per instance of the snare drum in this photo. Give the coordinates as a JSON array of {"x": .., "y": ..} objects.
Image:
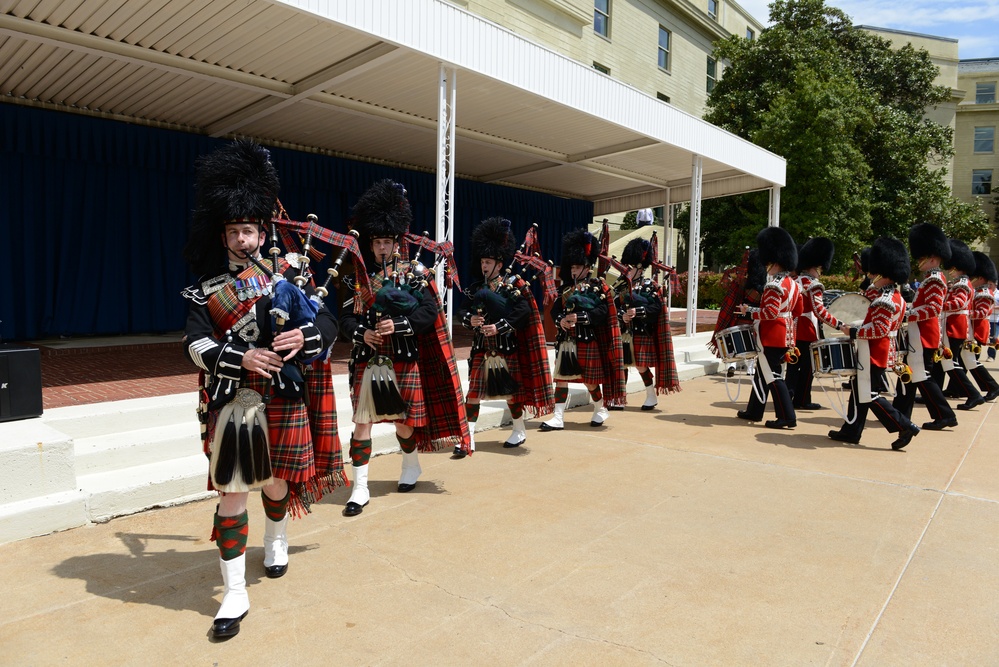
[
  {"x": 833, "y": 358},
  {"x": 736, "y": 343},
  {"x": 849, "y": 308}
]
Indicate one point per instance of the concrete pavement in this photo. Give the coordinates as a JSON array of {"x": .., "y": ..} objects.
[{"x": 677, "y": 537}]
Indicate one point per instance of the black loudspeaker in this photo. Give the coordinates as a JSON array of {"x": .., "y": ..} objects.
[{"x": 20, "y": 382}]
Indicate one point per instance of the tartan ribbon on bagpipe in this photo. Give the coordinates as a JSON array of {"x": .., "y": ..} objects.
[
  {"x": 603, "y": 261},
  {"x": 615, "y": 373},
  {"x": 544, "y": 273},
  {"x": 443, "y": 248},
  {"x": 734, "y": 278},
  {"x": 286, "y": 227},
  {"x": 672, "y": 282}
]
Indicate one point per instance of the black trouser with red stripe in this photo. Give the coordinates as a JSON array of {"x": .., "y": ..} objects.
[
  {"x": 933, "y": 396},
  {"x": 782, "y": 397},
  {"x": 893, "y": 420},
  {"x": 959, "y": 382}
]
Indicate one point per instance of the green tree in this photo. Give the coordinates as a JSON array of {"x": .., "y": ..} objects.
[{"x": 847, "y": 112}]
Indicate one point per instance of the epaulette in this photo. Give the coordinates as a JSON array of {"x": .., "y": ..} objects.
[
  {"x": 934, "y": 276},
  {"x": 886, "y": 301},
  {"x": 205, "y": 287},
  {"x": 777, "y": 283},
  {"x": 814, "y": 284}
]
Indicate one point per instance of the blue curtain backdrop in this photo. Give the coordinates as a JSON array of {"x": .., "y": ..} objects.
[{"x": 95, "y": 212}]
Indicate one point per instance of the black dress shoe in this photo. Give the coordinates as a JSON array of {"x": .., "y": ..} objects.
[
  {"x": 615, "y": 407},
  {"x": 649, "y": 407},
  {"x": 223, "y": 628},
  {"x": 546, "y": 428},
  {"x": 971, "y": 403},
  {"x": 780, "y": 423},
  {"x": 742, "y": 414},
  {"x": 905, "y": 437},
  {"x": 353, "y": 509},
  {"x": 458, "y": 453},
  {"x": 839, "y": 436},
  {"x": 511, "y": 445},
  {"x": 992, "y": 395},
  {"x": 940, "y": 424},
  {"x": 406, "y": 488},
  {"x": 808, "y": 406},
  {"x": 275, "y": 571}
]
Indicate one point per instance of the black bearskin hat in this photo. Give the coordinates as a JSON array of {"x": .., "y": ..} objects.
[
  {"x": 638, "y": 252},
  {"x": 816, "y": 252},
  {"x": 236, "y": 183},
  {"x": 382, "y": 212},
  {"x": 889, "y": 259},
  {"x": 493, "y": 239},
  {"x": 984, "y": 267},
  {"x": 926, "y": 239},
  {"x": 777, "y": 247},
  {"x": 578, "y": 247},
  {"x": 960, "y": 257},
  {"x": 756, "y": 272}
]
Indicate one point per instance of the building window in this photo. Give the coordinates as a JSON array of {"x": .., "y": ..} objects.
[
  {"x": 601, "y": 68},
  {"x": 981, "y": 181},
  {"x": 985, "y": 138},
  {"x": 713, "y": 9},
  {"x": 712, "y": 67},
  {"x": 601, "y": 17},
  {"x": 662, "y": 98},
  {"x": 750, "y": 35},
  {"x": 985, "y": 93},
  {"x": 664, "y": 40}
]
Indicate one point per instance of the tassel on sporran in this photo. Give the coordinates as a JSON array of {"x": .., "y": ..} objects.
[
  {"x": 379, "y": 398},
  {"x": 240, "y": 455},
  {"x": 499, "y": 382},
  {"x": 567, "y": 362},
  {"x": 628, "y": 348}
]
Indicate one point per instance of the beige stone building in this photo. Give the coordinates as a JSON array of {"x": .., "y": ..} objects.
[
  {"x": 976, "y": 163},
  {"x": 661, "y": 47}
]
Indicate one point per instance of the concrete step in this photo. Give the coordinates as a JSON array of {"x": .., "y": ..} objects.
[
  {"x": 119, "y": 492},
  {"x": 37, "y": 461},
  {"x": 87, "y": 421},
  {"x": 124, "y": 449},
  {"x": 41, "y": 515}
]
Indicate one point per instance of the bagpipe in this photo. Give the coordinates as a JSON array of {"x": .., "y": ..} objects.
[{"x": 240, "y": 452}]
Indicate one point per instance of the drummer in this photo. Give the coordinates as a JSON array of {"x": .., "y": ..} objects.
[
  {"x": 814, "y": 259},
  {"x": 955, "y": 307},
  {"x": 780, "y": 306},
  {"x": 929, "y": 246},
  {"x": 875, "y": 340}
]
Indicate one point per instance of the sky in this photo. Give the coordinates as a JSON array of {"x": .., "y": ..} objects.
[{"x": 975, "y": 23}]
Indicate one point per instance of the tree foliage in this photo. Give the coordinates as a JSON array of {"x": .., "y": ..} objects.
[{"x": 847, "y": 111}]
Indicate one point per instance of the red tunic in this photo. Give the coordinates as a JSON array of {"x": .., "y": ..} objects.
[
  {"x": 981, "y": 308},
  {"x": 813, "y": 310},
  {"x": 926, "y": 308},
  {"x": 884, "y": 316},
  {"x": 956, "y": 308},
  {"x": 779, "y": 308}
]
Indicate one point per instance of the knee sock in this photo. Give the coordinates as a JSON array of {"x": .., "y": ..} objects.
[
  {"x": 360, "y": 451},
  {"x": 230, "y": 532},
  {"x": 407, "y": 445},
  {"x": 472, "y": 412},
  {"x": 561, "y": 395},
  {"x": 596, "y": 394},
  {"x": 516, "y": 410},
  {"x": 646, "y": 376},
  {"x": 275, "y": 509}
]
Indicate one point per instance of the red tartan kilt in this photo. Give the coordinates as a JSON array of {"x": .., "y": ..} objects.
[
  {"x": 591, "y": 359},
  {"x": 407, "y": 377},
  {"x": 292, "y": 455},
  {"x": 643, "y": 347},
  {"x": 477, "y": 375}
]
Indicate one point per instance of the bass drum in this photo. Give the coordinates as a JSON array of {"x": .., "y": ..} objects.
[{"x": 848, "y": 307}]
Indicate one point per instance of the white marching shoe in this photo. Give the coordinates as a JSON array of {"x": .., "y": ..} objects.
[
  {"x": 410, "y": 471},
  {"x": 276, "y": 547},
  {"x": 599, "y": 415},
  {"x": 359, "y": 496},
  {"x": 235, "y": 601},
  {"x": 518, "y": 435},
  {"x": 460, "y": 453},
  {"x": 556, "y": 423},
  {"x": 651, "y": 400}
]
